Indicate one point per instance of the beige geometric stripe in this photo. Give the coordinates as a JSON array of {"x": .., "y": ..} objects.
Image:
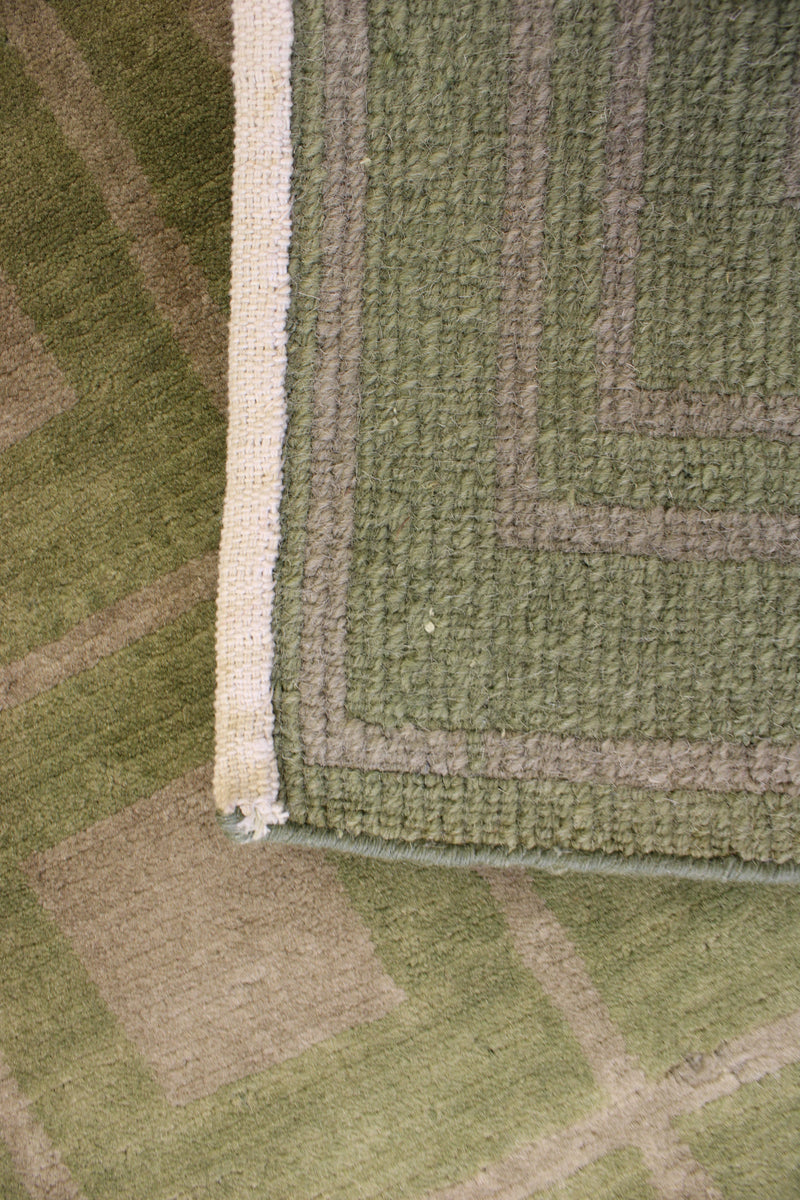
[
  {"x": 32, "y": 388},
  {"x": 330, "y": 737},
  {"x": 330, "y": 519},
  {"x": 211, "y": 21},
  {"x": 56, "y": 65},
  {"x": 522, "y": 518},
  {"x": 36, "y": 1160},
  {"x": 106, "y": 632},
  {"x": 658, "y": 764},
  {"x": 218, "y": 961},
  {"x": 522, "y": 296},
  {"x": 669, "y": 533},
  {"x": 623, "y": 404},
  {"x": 686, "y": 1088},
  {"x": 675, "y": 1174},
  {"x": 545, "y": 949}
]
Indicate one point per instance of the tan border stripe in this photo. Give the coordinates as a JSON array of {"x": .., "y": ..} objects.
[
  {"x": 623, "y": 404},
  {"x": 105, "y": 633},
  {"x": 685, "y": 1089},
  {"x": 627, "y": 121},
  {"x": 544, "y": 947},
  {"x": 659, "y": 765},
  {"x": 36, "y": 1160},
  {"x": 672, "y": 534},
  {"x": 335, "y": 422},
  {"x": 330, "y": 737},
  {"x": 56, "y": 65},
  {"x": 32, "y": 388},
  {"x": 522, "y": 518},
  {"x": 522, "y": 295}
]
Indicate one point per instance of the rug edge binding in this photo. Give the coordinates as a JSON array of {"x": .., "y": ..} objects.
[
  {"x": 553, "y": 861},
  {"x": 245, "y": 764}
]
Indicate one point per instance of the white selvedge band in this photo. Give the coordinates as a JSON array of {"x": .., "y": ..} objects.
[{"x": 245, "y": 768}]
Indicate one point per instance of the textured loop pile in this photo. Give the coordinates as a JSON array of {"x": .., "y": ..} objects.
[{"x": 538, "y": 588}]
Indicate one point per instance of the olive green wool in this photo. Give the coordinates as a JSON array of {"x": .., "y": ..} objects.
[{"x": 538, "y": 582}]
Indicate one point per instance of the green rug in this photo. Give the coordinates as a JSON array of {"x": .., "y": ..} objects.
[
  {"x": 186, "y": 1018},
  {"x": 537, "y": 584}
]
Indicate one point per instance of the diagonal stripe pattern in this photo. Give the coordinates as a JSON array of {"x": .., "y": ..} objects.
[
  {"x": 106, "y": 632},
  {"x": 56, "y": 64},
  {"x": 36, "y": 1159},
  {"x": 33, "y": 388},
  {"x": 545, "y": 949}
]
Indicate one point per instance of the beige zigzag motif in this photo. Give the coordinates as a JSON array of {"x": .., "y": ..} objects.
[
  {"x": 32, "y": 387},
  {"x": 331, "y": 737},
  {"x": 36, "y": 1160},
  {"x": 178, "y": 287},
  {"x": 543, "y": 946},
  {"x": 638, "y": 1112},
  {"x": 685, "y": 1089},
  {"x": 106, "y": 632}
]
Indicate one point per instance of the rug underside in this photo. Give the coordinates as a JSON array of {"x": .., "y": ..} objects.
[{"x": 537, "y": 586}]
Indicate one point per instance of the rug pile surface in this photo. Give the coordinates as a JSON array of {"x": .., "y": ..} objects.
[
  {"x": 186, "y": 1018},
  {"x": 537, "y": 584}
]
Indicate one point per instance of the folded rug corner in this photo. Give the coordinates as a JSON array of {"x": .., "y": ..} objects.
[{"x": 509, "y": 567}]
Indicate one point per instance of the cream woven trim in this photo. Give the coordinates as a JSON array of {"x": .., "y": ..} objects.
[{"x": 245, "y": 769}]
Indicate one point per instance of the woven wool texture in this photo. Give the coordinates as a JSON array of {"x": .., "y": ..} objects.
[
  {"x": 186, "y": 1018},
  {"x": 537, "y": 588}
]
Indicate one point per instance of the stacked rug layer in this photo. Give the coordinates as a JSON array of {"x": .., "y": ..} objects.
[
  {"x": 536, "y": 511},
  {"x": 186, "y": 1018}
]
